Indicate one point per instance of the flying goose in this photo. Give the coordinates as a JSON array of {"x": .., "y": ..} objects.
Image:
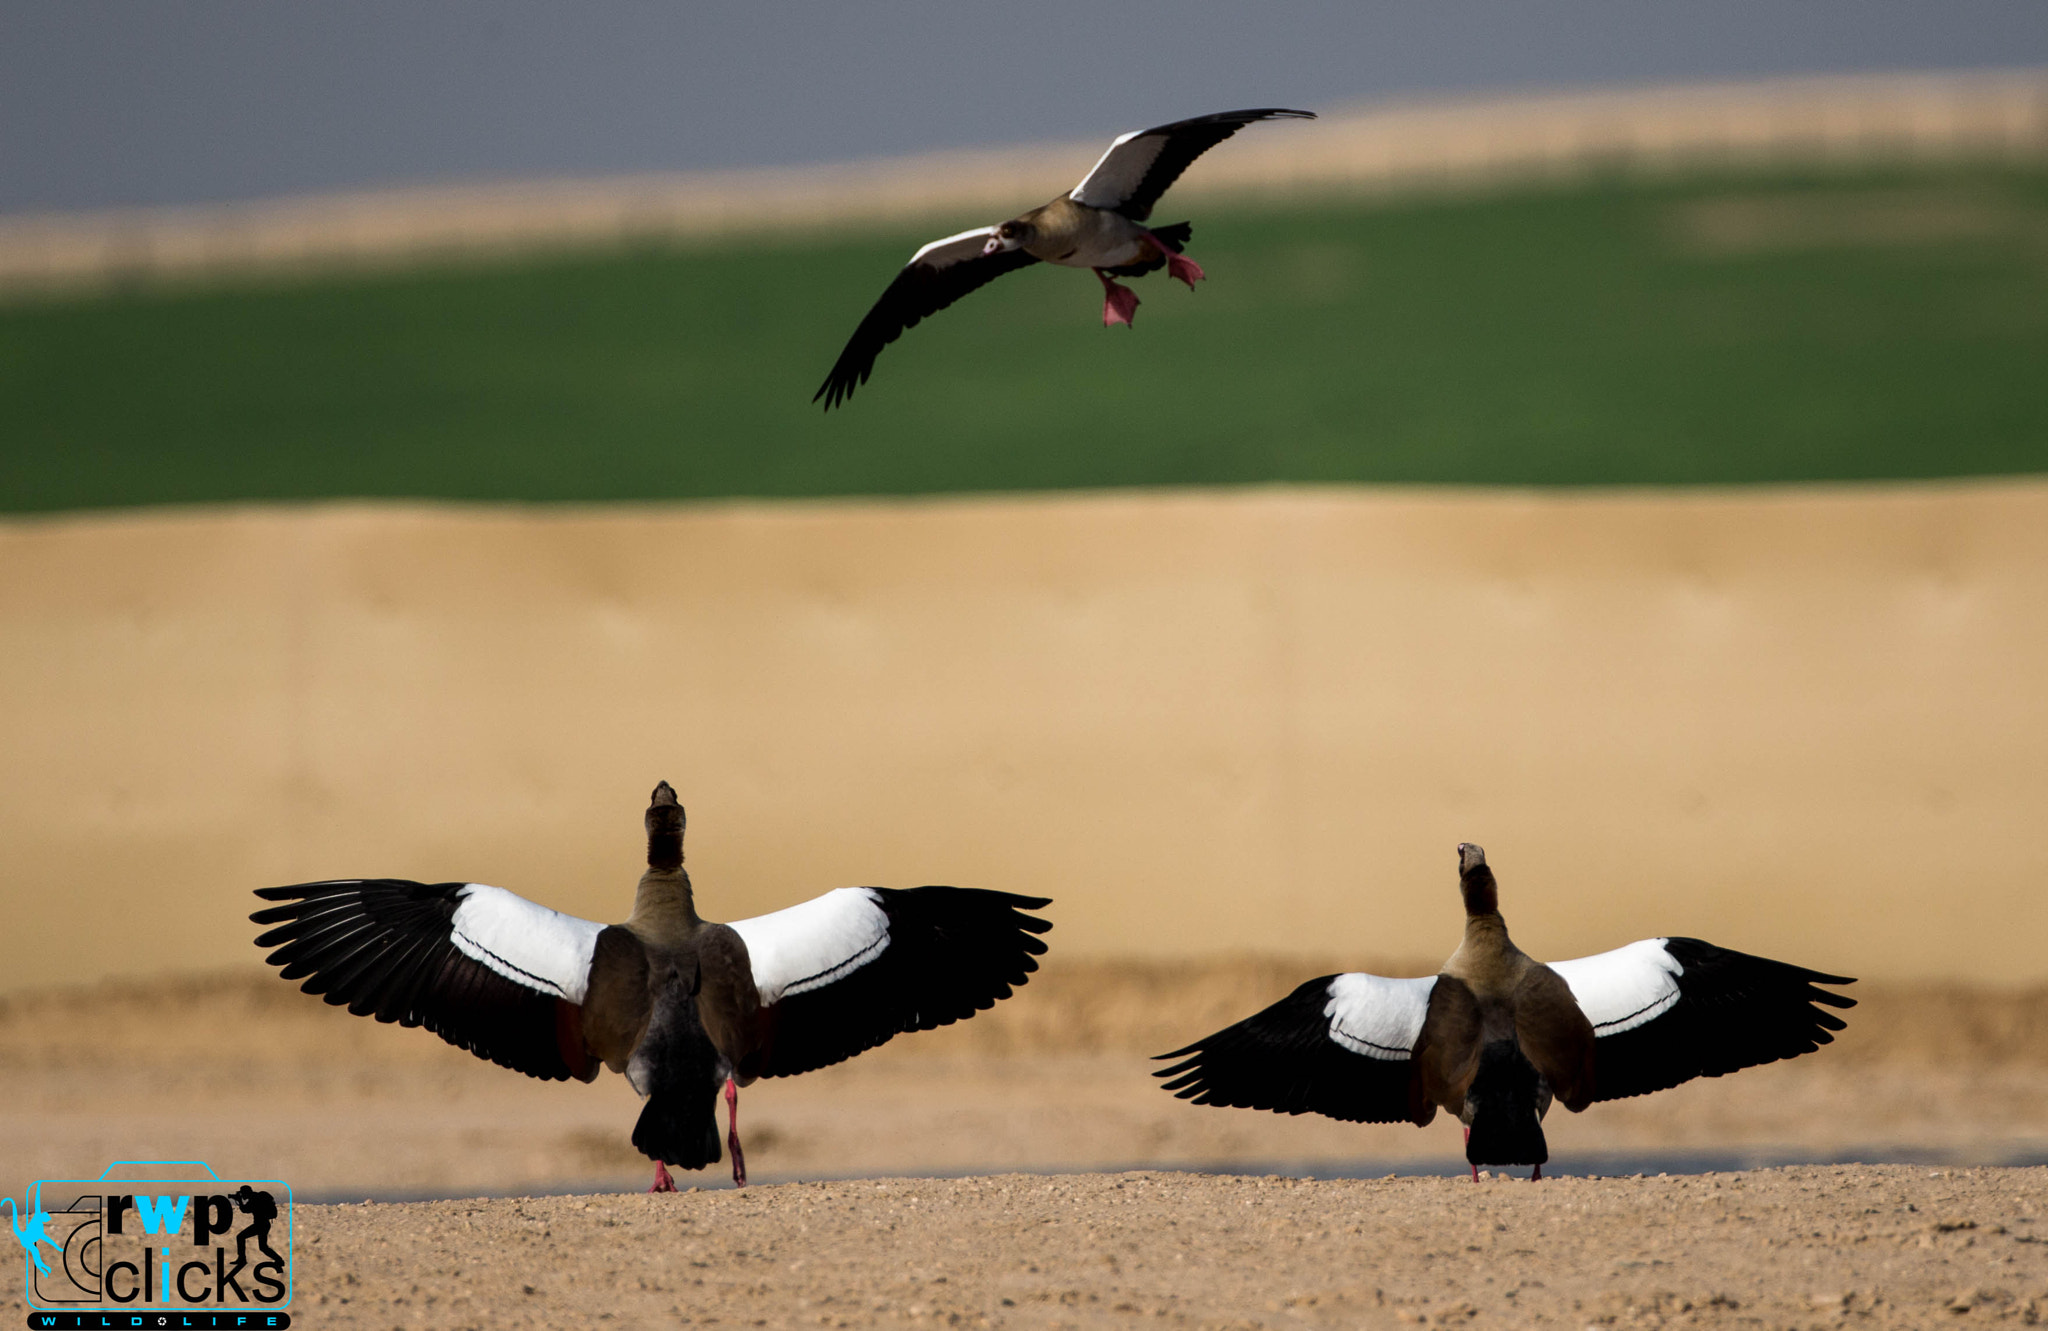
[
  {"x": 1497, "y": 1035},
  {"x": 1098, "y": 224},
  {"x": 677, "y": 1003}
]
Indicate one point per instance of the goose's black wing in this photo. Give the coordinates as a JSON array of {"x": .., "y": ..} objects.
[
  {"x": 936, "y": 276},
  {"x": 1666, "y": 1010},
  {"x": 485, "y": 970},
  {"x": 1140, "y": 166},
  {"x": 845, "y": 972},
  {"x": 1337, "y": 1046}
]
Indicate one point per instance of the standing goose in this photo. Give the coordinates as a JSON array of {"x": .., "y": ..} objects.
[
  {"x": 679, "y": 1004},
  {"x": 1098, "y": 224},
  {"x": 1497, "y": 1036}
]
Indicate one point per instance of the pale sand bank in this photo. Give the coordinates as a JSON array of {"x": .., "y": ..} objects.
[
  {"x": 1429, "y": 145},
  {"x": 1810, "y": 723}
]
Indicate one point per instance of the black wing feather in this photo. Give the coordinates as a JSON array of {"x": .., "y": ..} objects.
[
  {"x": 953, "y": 952},
  {"x": 1283, "y": 1059},
  {"x": 1734, "y": 1011},
  {"x": 383, "y": 947},
  {"x": 1185, "y": 141},
  {"x": 919, "y": 291}
]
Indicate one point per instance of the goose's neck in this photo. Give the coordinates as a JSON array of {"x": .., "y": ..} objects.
[
  {"x": 1488, "y": 932},
  {"x": 664, "y": 908},
  {"x": 1486, "y": 953},
  {"x": 1481, "y": 893},
  {"x": 1487, "y": 959}
]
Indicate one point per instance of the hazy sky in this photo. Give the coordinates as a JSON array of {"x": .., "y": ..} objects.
[{"x": 132, "y": 101}]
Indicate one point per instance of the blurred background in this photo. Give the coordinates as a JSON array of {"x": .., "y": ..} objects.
[{"x": 1615, "y": 434}]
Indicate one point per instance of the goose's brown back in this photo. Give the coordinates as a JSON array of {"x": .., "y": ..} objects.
[{"x": 1490, "y": 990}]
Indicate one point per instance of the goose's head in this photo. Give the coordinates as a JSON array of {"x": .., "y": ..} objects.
[
  {"x": 1475, "y": 881},
  {"x": 664, "y": 828},
  {"x": 1009, "y": 236}
]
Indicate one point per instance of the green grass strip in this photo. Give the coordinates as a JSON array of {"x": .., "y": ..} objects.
[{"x": 1737, "y": 329}]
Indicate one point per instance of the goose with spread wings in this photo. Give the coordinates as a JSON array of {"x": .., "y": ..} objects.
[
  {"x": 679, "y": 1004},
  {"x": 1099, "y": 224},
  {"x": 1497, "y": 1035}
]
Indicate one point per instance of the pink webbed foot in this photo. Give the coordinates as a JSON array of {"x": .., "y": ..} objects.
[
  {"x": 662, "y": 1182},
  {"x": 732, "y": 1134},
  {"x": 1179, "y": 265},
  {"x": 1119, "y": 303}
]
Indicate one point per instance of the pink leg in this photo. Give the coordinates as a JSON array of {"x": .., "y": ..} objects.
[
  {"x": 1468, "y": 1142},
  {"x": 1119, "y": 303},
  {"x": 732, "y": 1134},
  {"x": 1536, "y": 1174},
  {"x": 1179, "y": 265},
  {"x": 662, "y": 1182}
]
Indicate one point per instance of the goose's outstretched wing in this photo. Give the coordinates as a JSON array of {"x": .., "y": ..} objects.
[
  {"x": 1666, "y": 1010},
  {"x": 485, "y": 970},
  {"x": 844, "y": 972},
  {"x": 1337, "y": 1046},
  {"x": 1140, "y": 166},
  {"x": 936, "y": 276}
]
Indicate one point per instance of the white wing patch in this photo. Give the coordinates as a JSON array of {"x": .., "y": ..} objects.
[
  {"x": 543, "y": 949},
  {"x": 1376, "y": 1016},
  {"x": 932, "y": 253},
  {"x": 1620, "y": 990},
  {"x": 808, "y": 946},
  {"x": 1118, "y": 172}
]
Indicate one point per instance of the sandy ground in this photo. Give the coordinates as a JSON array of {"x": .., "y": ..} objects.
[
  {"x": 1862, "y": 1246},
  {"x": 242, "y": 1071}
]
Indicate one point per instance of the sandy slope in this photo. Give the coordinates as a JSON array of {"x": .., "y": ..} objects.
[
  {"x": 1815, "y": 1247},
  {"x": 1803, "y": 722}
]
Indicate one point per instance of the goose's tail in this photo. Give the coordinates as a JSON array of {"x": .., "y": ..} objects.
[
  {"x": 679, "y": 1070},
  {"x": 1506, "y": 1129}
]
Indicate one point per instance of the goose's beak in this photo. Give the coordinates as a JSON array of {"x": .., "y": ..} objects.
[{"x": 994, "y": 245}]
